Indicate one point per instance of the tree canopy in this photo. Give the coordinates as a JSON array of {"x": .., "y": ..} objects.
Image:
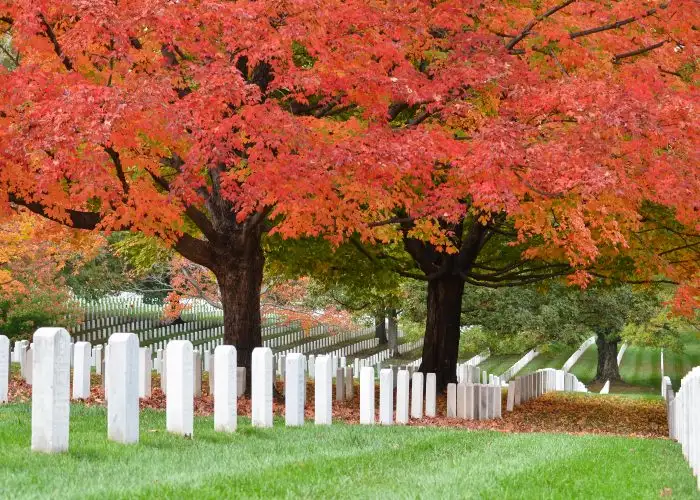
[{"x": 568, "y": 129}]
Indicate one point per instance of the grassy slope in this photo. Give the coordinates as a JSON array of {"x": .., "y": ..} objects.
[
  {"x": 642, "y": 365},
  {"x": 499, "y": 364},
  {"x": 585, "y": 367},
  {"x": 550, "y": 360},
  {"x": 334, "y": 462}
]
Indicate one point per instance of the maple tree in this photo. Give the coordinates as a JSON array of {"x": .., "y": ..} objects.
[{"x": 457, "y": 127}]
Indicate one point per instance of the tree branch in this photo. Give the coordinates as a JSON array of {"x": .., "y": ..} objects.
[
  {"x": 67, "y": 63},
  {"x": 114, "y": 155},
  {"x": 76, "y": 218},
  {"x": 618, "y": 57},
  {"x": 531, "y": 24},
  {"x": 576, "y": 34}
]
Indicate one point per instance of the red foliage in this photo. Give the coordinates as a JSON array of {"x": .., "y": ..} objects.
[{"x": 135, "y": 110}]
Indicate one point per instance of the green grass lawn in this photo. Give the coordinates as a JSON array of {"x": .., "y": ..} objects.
[
  {"x": 499, "y": 364},
  {"x": 340, "y": 461},
  {"x": 642, "y": 365},
  {"x": 586, "y": 366},
  {"x": 548, "y": 360}
]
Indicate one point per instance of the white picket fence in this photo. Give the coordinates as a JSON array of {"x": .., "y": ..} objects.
[
  {"x": 684, "y": 417},
  {"x": 579, "y": 352}
]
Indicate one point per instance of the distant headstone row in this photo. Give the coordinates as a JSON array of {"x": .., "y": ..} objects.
[
  {"x": 535, "y": 384},
  {"x": 684, "y": 416},
  {"x": 578, "y": 353},
  {"x": 519, "y": 365}
]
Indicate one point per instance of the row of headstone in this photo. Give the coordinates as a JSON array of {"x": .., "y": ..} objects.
[
  {"x": 415, "y": 396},
  {"x": 535, "y": 384},
  {"x": 325, "y": 342},
  {"x": 519, "y": 365},
  {"x": 578, "y": 353},
  {"x": 474, "y": 401},
  {"x": 470, "y": 374},
  {"x": 621, "y": 353},
  {"x": 684, "y": 417},
  {"x": 125, "y": 360},
  {"x": 355, "y": 347},
  {"x": 479, "y": 358},
  {"x": 288, "y": 338},
  {"x": 102, "y": 328},
  {"x": 409, "y": 346}
]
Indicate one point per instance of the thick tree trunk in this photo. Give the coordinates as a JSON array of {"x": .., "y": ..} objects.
[
  {"x": 392, "y": 332},
  {"x": 239, "y": 274},
  {"x": 607, "y": 360},
  {"x": 441, "y": 343},
  {"x": 380, "y": 326}
]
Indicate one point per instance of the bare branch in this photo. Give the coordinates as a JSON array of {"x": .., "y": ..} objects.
[
  {"x": 67, "y": 63},
  {"x": 615, "y": 25},
  {"x": 618, "y": 57},
  {"x": 526, "y": 31}
]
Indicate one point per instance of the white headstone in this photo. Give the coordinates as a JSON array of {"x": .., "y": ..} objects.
[
  {"x": 145, "y": 370},
  {"x": 226, "y": 387},
  {"x": 179, "y": 400},
  {"x": 294, "y": 389},
  {"x": 323, "y": 392},
  {"x": 452, "y": 400},
  {"x": 367, "y": 395},
  {"x": 261, "y": 387},
  {"x": 430, "y": 395},
  {"x": 123, "y": 400},
  {"x": 240, "y": 380},
  {"x": 402, "y": 384},
  {"x": 417, "y": 395},
  {"x": 349, "y": 383},
  {"x": 51, "y": 390},
  {"x": 4, "y": 368},
  {"x": 197, "y": 369},
  {"x": 386, "y": 396},
  {"x": 28, "y": 358},
  {"x": 81, "y": 370}
]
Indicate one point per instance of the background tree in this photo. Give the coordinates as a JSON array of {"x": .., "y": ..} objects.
[{"x": 209, "y": 124}]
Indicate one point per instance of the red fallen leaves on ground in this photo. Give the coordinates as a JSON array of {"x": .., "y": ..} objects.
[{"x": 555, "y": 412}]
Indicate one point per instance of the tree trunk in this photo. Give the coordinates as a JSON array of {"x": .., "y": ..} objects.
[
  {"x": 607, "y": 360},
  {"x": 380, "y": 326},
  {"x": 441, "y": 343},
  {"x": 240, "y": 279},
  {"x": 392, "y": 332}
]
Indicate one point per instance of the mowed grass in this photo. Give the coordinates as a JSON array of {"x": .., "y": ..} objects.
[
  {"x": 642, "y": 365},
  {"x": 339, "y": 461},
  {"x": 585, "y": 367},
  {"x": 499, "y": 364},
  {"x": 548, "y": 360}
]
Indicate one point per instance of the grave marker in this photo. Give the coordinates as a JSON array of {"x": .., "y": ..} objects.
[
  {"x": 294, "y": 389},
  {"x": 417, "y": 395},
  {"x": 81, "y": 370},
  {"x": 51, "y": 390},
  {"x": 430, "y": 395},
  {"x": 261, "y": 386},
  {"x": 179, "y": 401},
  {"x": 367, "y": 395},
  {"x": 386, "y": 396},
  {"x": 402, "y": 384},
  {"x": 323, "y": 393},
  {"x": 123, "y": 401},
  {"x": 226, "y": 395}
]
